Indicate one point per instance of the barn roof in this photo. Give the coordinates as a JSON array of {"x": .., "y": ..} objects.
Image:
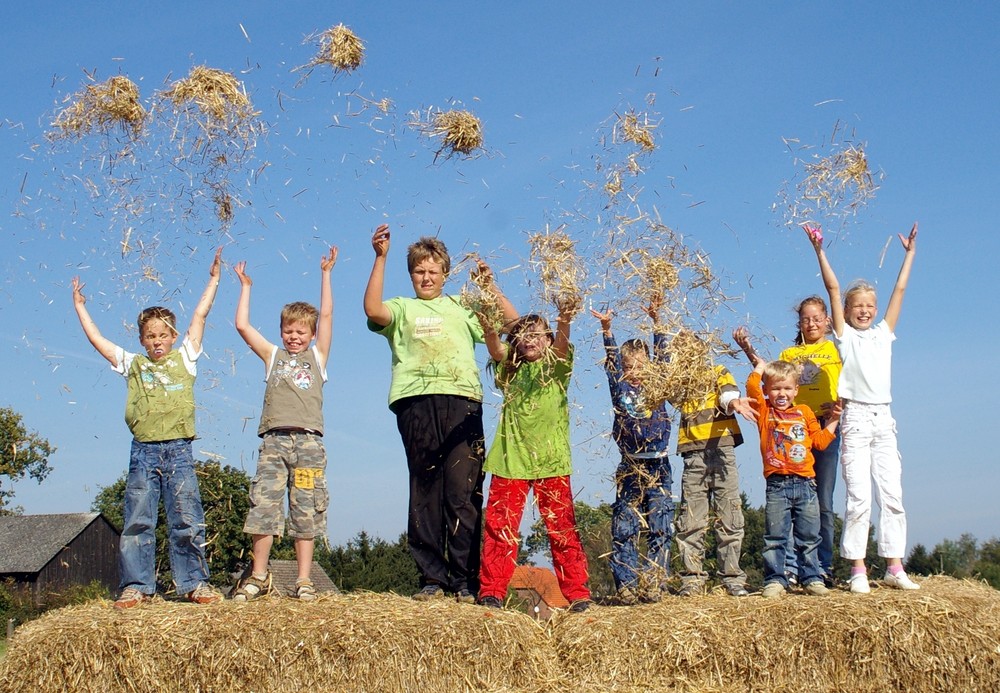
[{"x": 29, "y": 542}]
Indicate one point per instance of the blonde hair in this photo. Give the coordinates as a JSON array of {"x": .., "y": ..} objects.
[
  {"x": 157, "y": 313},
  {"x": 782, "y": 370},
  {"x": 633, "y": 347},
  {"x": 859, "y": 286},
  {"x": 300, "y": 312},
  {"x": 428, "y": 247}
]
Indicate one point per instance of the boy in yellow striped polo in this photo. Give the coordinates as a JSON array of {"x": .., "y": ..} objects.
[{"x": 706, "y": 441}]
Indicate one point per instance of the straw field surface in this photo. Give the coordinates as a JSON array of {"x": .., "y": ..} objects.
[{"x": 945, "y": 637}]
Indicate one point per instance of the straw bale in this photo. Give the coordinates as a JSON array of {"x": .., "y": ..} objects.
[
  {"x": 101, "y": 107},
  {"x": 368, "y": 642},
  {"x": 945, "y": 637},
  {"x": 560, "y": 268},
  {"x": 340, "y": 48},
  {"x": 461, "y": 132},
  {"x": 216, "y": 94}
]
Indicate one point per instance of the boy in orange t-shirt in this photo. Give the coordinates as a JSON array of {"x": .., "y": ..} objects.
[{"x": 788, "y": 434}]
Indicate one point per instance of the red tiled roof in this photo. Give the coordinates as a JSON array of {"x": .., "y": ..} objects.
[{"x": 542, "y": 581}]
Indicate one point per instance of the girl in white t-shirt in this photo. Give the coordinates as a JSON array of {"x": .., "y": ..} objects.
[{"x": 869, "y": 452}]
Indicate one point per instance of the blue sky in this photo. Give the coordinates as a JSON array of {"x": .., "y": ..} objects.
[{"x": 727, "y": 83}]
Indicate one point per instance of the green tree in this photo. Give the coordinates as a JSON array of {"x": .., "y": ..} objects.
[
  {"x": 225, "y": 495},
  {"x": 373, "y": 564},
  {"x": 956, "y": 558},
  {"x": 920, "y": 562},
  {"x": 987, "y": 567},
  {"x": 23, "y": 453}
]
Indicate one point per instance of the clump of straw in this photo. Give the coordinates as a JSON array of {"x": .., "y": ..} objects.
[
  {"x": 101, "y": 107},
  {"x": 630, "y": 128},
  {"x": 216, "y": 94},
  {"x": 223, "y": 205},
  {"x": 340, "y": 48},
  {"x": 841, "y": 177},
  {"x": 460, "y": 131},
  {"x": 479, "y": 295},
  {"x": 560, "y": 268},
  {"x": 689, "y": 375}
]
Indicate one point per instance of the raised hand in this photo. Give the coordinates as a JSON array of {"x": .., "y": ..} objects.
[
  {"x": 380, "y": 240},
  {"x": 327, "y": 262}
]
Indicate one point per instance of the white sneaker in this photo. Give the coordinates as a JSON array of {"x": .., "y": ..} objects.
[
  {"x": 859, "y": 584},
  {"x": 773, "y": 590},
  {"x": 900, "y": 581}
]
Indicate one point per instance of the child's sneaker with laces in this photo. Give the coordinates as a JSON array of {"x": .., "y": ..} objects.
[
  {"x": 429, "y": 592},
  {"x": 900, "y": 581},
  {"x": 464, "y": 596},
  {"x": 817, "y": 589},
  {"x": 773, "y": 590},
  {"x": 204, "y": 594},
  {"x": 130, "y": 597},
  {"x": 305, "y": 590},
  {"x": 859, "y": 584}
]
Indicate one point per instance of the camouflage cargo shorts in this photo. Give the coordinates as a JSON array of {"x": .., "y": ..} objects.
[{"x": 292, "y": 463}]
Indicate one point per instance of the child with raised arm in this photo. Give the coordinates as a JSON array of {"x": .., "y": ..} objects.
[
  {"x": 643, "y": 497},
  {"x": 531, "y": 451},
  {"x": 159, "y": 412},
  {"x": 292, "y": 458},
  {"x": 869, "y": 452},
  {"x": 788, "y": 434},
  {"x": 437, "y": 398},
  {"x": 706, "y": 440}
]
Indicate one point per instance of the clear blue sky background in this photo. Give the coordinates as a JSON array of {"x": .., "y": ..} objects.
[{"x": 917, "y": 82}]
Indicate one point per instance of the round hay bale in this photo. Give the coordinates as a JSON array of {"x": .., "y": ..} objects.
[
  {"x": 945, "y": 637},
  {"x": 369, "y": 642}
]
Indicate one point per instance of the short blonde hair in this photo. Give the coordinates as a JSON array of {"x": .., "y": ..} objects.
[
  {"x": 782, "y": 370},
  {"x": 859, "y": 286},
  {"x": 300, "y": 312},
  {"x": 157, "y": 313},
  {"x": 428, "y": 247}
]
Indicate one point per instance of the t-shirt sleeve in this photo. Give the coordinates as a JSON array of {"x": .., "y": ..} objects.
[{"x": 124, "y": 360}]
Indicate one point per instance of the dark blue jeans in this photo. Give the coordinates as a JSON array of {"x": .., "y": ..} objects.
[
  {"x": 155, "y": 470},
  {"x": 643, "y": 501},
  {"x": 791, "y": 507},
  {"x": 826, "y": 479}
]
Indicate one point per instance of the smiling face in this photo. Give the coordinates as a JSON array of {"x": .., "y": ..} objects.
[
  {"x": 632, "y": 366},
  {"x": 813, "y": 323},
  {"x": 296, "y": 336},
  {"x": 428, "y": 279},
  {"x": 781, "y": 392},
  {"x": 860, "y": 309},
  {"x": 157, "y": 337}
]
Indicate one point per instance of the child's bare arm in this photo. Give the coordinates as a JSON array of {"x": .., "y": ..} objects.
[
  {"x": 495, "y": 345},
  {"x": 896, "y": 299},
  {"x": 197, "y": 328},
  {"x": 829, "y": 280},
  {"x": 510, "y": 313},
  {"x": 744, "y": 407},
  {"x": 324, "y": 328},
  {"x": 375, "y": 309},
  {"x": 254, "y": 339},
  {"x": 742, "y": 337},
  {"x": 105, "y": 347},
  {"x": 567, "y": 309}
]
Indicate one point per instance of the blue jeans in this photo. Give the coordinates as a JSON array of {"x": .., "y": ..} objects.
[
  {"x": 165, "y": 468},
  {"x": 643, "y": 501},
  {"x": 826, "y": 479},
  {"x": 791, "y": 507}
]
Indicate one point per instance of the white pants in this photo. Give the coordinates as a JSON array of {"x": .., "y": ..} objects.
[{"x": 868, "y": 455}]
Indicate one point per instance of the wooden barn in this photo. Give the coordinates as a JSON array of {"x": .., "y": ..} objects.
[{"x": 48, "y": 553}]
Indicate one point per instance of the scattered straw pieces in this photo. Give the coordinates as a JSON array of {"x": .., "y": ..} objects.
[
  {"x": 637, "y": 129},
  {"x": 340, "y": 48},
  {"x": 561, "y": 270},
  {"x": 460, "y": 131},
  {"x": 101, "y": 107},
  {"x": 217, "y": 95},
  {"x": 688, "y": 377}
]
